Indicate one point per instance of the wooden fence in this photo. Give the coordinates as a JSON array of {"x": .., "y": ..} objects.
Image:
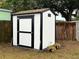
[
  {"x": 65, "y": 30},
  {"x": 5, "y": 31}
]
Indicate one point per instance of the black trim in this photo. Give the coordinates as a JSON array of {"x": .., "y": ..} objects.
[
  {"x": 55, "y": 28},
  {"x": 32, "y": 32},
  {"x": 12, "y": 28},
  {"x": 24, "y": 32},
  {"x": 17, "y": 32},
  {"x": 32, "y": 29},
  {"x": 41, "y": 31},
  {"x": 24, "y": 46},
  {"x": 24, "y": 16}
]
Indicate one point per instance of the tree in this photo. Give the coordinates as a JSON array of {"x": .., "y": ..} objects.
[
  {"x": 18, "y": 5},
  {"x": 65, "y": 7}
]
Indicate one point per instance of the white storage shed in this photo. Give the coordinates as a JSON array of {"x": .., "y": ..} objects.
[{"x": 34, "y": 28}]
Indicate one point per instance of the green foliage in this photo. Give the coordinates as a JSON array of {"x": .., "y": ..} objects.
[
  {"x": 77, "y": 18},
  {"x": 18, "y": 5},
  {"x": 65, "y": 7}
]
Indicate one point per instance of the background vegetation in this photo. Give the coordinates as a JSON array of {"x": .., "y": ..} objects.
[{"x": 65, "y": 7}]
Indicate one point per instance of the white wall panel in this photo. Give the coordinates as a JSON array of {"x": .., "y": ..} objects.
[
  {"x": 48, "y": 29},
  {"x": 14, "y": 30},
  {"x": 37, "y": 31}
]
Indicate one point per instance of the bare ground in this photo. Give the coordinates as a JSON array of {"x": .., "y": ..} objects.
[{"x": 69, "y": 50}]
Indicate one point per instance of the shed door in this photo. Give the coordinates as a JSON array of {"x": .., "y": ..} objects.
[{"x": 26, "y": 31}]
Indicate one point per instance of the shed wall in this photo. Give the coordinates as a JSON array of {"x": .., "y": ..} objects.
[
  {"x": 37, "y": 31},
  {"x": 48, "y": 29},
  {"x": 15, "y": 30}
]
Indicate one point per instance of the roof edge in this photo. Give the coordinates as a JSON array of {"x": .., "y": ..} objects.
[
  {"x": 32, "y": 12},
  {"x": 5, "y": 10}
]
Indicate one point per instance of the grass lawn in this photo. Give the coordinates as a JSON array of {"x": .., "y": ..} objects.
[{"x": 70, "y": 50}]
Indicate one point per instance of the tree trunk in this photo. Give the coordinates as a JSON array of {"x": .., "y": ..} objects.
[{"x": 68, "y": 17}]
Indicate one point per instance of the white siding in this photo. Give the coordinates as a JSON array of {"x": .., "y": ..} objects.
[
  {"x": 77, "y": 31},
  {"x": 48, "y": 29},
  {"x": 37, "y": 31},
  {"x": 15, "y": 30}
]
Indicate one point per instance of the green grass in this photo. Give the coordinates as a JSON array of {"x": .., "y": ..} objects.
[{"x": 69, "y": 50}]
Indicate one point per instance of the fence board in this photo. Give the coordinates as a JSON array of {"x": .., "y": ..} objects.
[
  {"x": 5, "y": 31},
  {"x": 65, "y": 30}
]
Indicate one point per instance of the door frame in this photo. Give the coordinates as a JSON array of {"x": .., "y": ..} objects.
[{"x": 32, "y": 30}]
